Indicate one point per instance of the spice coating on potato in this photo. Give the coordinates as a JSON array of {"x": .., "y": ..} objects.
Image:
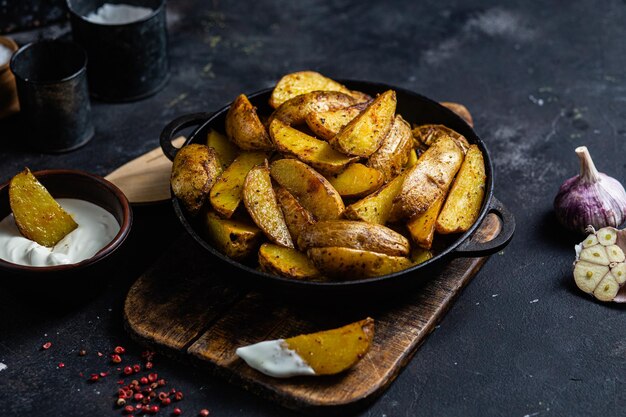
[
  {"x": 326, "y": 124},
  {"x": 297, "y": 83},
  {"x": 460, "y": 110},
  {"x": 356, "y": 181},
  {"x": 376, "y": 208},
  {"x": 347, "y": 263},
  {"x": 236, "y": 239},
  {"x": 194, "y": 171},
  {"x": 394, "y": 152},
  {"x": 226, "y": 150},
  {"x": 36, "y": 213},
  {"x": 295, "y": 110},
  {"x": 426, "y": 135},
  {"x": 422, "y": 226},
  {"x": 366, "y": 132},
  {"x": 296, "y": 216},
  {"x": 333, "y": 351},
  {"x": 244, "y": 127},
  {"x": 286, "y": 262}
]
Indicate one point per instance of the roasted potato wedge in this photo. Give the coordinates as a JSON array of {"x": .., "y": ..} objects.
[
  {"x": 296, "y": 216},
  {"x": 412, "y": 159},
  {"x": 326, "y": 124},
  {"x": 347, "y": 263},
  {"x": 36, "y": 213},
  {"x": 356, "y": 181},
  {"x": 422, "y": 226},
  {"x": 244, "y": 127},
  {"x": 366, "y": 132},
  {"x": 462, "y": 206},
  {"x": 236, "y": 239},
  {"x": 194, "y": 171},
  {"x": 260, "y": 201},
  {"x": 311, "y": 189},
  {"x": 317, "y": 153},
  {"x": 355, "y": 235},
  {"x": 226, "y": 150},
  {"x": 360, "y": 96},
  {"x": 461, "y": 110},
  {"x": 420, "y": 255},
  {"x": 394, "y": 153},
  {"x": 429, "y": 179},
  {"x": 297, "y": 83},
  {"x": 286, "y": 262},
  {"x": 376, "y": 208},
  {"x": 226, "y": 193},
  {"x": 426, "y": 135},
  {"x": 294, "y": 111}
]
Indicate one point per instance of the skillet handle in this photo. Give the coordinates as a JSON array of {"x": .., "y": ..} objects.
[
  {"x": 471, "y": 248},
  {"x": 175, "y": 126}
]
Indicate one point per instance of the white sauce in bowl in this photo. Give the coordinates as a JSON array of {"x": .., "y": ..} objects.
[
  {"x": 96, "y": 228},
  {"x": 274, "y": 358},
  {"x": 118, "y": 14}
]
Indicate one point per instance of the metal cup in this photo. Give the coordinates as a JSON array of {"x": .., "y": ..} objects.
[
  {"x": 127, "y": 61},
  {"x": 51, "y": 79}
]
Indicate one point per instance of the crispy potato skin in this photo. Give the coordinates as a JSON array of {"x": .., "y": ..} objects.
[
  {"x": 296, "y": 216},
  {"x": 294, "y": 111},
  {"x": 363, "y": 135},
  {"x": 317, "y": 153},
  {"x": 260, "y": 201},
  {"x": 326, "y": 124},
  {"x": 355, "y": 235},
  {"x": 286, "y": 262},
  {"x": 244, "y": 127},
  {"x": 376, "y": 208},
  {"x": 462, "y": 206},
  {"x": 311, "y": 189},
  {"x": 194, "y": 171},
  {"x": 422, "y": 226},
  {"x": 333, "y": 351},
  {"x": 236, "y": 239},
  {"x": 461, "y": 110},
  {"x": 348, "y": 263},
  {"x": 356, "y": 181},
  {"x": 37, "y": 214},
  {"x": 429, "y": 179},
  {"x": 426, "y": 135},
  {"x": 394, "y": 153},
  {"x": 226, "y": 150},
  {"x": 297, "y": 83}
]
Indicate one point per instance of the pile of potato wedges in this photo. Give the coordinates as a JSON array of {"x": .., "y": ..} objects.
[{"x": 333, "y": 185}]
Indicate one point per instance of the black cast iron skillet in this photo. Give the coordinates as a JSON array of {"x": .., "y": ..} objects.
[{"x": 416, "y": 109}]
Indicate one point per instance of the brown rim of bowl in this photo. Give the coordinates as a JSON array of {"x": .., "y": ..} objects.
[
  {"x": 9, "y": 43},
  {"x": 119, "y": 238}
]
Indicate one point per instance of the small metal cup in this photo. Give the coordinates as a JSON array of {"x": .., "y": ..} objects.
[
  {"x": 127, "y": 61},
  {"x": 51, "y": 79}
]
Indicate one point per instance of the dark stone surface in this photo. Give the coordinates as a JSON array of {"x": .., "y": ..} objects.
[{"x": 539, "y": 77}]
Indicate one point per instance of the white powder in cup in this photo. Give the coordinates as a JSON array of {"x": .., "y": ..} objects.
[
  {"x": 118, "y": 14},
  {"x": 5, "y": 54}
]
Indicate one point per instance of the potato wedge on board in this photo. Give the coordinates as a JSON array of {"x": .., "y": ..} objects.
[
  {"x": 326, "y": 124},
  {"x": 297, "y": 83},
  {"x": 376, "y": 208},
  {"x": 236, "y": 239},
  {"x": 244, "y": 127},
  {"x": 347, "y": 263},
  {"x": 428, "y": 180},
  {"x": 355, "y": 235},
  {"x": 462, "y": 206},
  {"x": 226, "y": 150},
  {"x": 286, "y": 262},
  {"x": 394, "y": 152},
  {"x": 226, "y": 193},
  {"x": 260, "y": 201},
  {"x": 460, "y": 110},
  {"x": 194, "y": 171},
  {"x": 36, "y": 213},
  {"x": 427, "y": 135},
  {"x": 317, "y": 153},
  {"x": 366, "y": 132},
  {"x": 356, "y": 181},
  {"x": 297, "y": 217},
  {"x": 311, "y": 189},
  {"x": 422, "y": 227},
  {"x": 294, "y": 111}
]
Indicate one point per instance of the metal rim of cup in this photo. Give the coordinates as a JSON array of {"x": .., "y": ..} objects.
[
  {"x": 155, "y": 12},
  {"x": 20, "y": 51},
  {"x": 10, "y": 44}
]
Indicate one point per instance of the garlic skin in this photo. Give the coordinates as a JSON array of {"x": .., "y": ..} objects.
[{"x": 590, "y": 199}]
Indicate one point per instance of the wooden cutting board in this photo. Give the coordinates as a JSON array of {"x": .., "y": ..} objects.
[{"x": 185, "y": 308}]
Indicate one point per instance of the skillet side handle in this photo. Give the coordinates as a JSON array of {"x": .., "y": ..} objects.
[
  {"x": 175, "y": 126},
  {"x": 477, "y": 248}
]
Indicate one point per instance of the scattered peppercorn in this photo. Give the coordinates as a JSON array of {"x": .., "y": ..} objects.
[
  {"x": 94, "y": 377},
  {"x": 154, "y": 409},
  {"x": 177, "y": 411},
  {"x": 119, "y": 350},
  {"x": 128, "y": 370},
  {"x": 161, "y": 382},
  {"x": 204, "y": 412},
  {"x": 138, "y": 396},
  {"x": 103, "y": 374},
  {"x": 82, "y": 352},
  {"x": 61, "y": 365},
  {"x": 116, "y": 358},
  {"x": 120, "y": 402},
  {"x": 46, "y": 345},
  {"x": 100, "y": 354},
  {"x": 178, "y": 395},
  {"x": 166, "y": 401},
  {"x": 129, "y": 409},
  {"x": 153, "y": 377},
  {"x": 143, "y": 380},
  {"x": 149, "y": 365},
  {"x": 136, "y": 368}
]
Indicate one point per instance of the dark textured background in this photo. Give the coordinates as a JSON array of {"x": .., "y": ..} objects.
[{"x": 540, "y": 79}]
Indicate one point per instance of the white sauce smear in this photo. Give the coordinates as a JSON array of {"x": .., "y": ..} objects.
[
  {"x": 118, "y": 14},
  {"x": 5, "y": 54},
  {"x": 96, "y": 228},
  {"x": 274, "y": 358}
]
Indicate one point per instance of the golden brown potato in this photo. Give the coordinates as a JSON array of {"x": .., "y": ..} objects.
[
  {"x": 311, "y": 189},
  {"x": 412, "y": 159},
  {"x": 226, "y": 193},
  {"x": 333, "y": 351},
  {"x": 296, "y": 216},
  {"x": 236, "y": 239},
  {"x": 244, "y": 127},
  {"x": 428, "y": 180},
  {"x": 297, "y": 83},
  {"x": 37, "y": 215},
  {"x": 326, "y": 124},
  {"x": 360, "y": 97},
  {"x": 461, "y": 110},
  {"x": 422, "y": 226},
  {"x": 356, "y": 181},
  {"x": 294, "y": 111},
  {"x": 427, "y": 135},
  {"x": 355, "y": 235},
  {"x": 347, "y": 263},
  {"x": 394, "y": 153},
  {"x": 365, "y": 133},
  {"x": 260, "y": 200},
  {"x": 194, "y": 171},
  {"x": 225, "y": 149},
  {"x": 286, "y": 262},
  {"x": 420, "y": 255},
  {"x": 317, "y": 153},
  {"x": 376, "y": 208},
  {"x": 462, "y": 206}
]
